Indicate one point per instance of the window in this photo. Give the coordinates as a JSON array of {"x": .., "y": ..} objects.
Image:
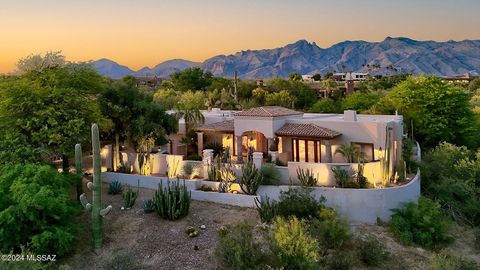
[
  {"x": 306, "y": 150},
  {"x": 367, "y": 149}
]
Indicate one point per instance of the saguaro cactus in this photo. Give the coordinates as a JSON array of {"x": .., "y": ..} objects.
[
  {"x": 96, "y": 188},
  {"x": 78, "y": 167}
]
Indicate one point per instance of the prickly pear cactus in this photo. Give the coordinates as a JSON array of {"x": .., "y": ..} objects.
[{"x": 96, "y": 187}]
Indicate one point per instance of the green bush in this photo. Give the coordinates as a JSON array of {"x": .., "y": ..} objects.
[
  {"x": 271, "y": 176},
  {"x": 342, "y": 177},
  {"x": 115, "y": 188},
  {"x": 329, "y": 231},
  {"x": 251, "y": 179},
  {"x": 371, "y": 251},
  {"x": 293, "y": 247},
  {"x": 424, "y": 224},
  {"x": 341, "y": 260},
  {"x": 236, "y": 249},
  {"x": 173, "y": 201},
  {"x": 447, "y": 261},
  {"x": 299, "y": 202},
  {"x": 188, "y": 170},
  {"x": 306, "y": 177},
  {"x": 451, "y": 176},
  {"x": 266, "y": 209},
  {"x": 36, "y": 210}
]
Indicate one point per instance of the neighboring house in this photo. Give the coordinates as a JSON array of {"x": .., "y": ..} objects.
[
  {"x": 350, "y": 76},
  {"x": 152, "y": 82},
  {"x": 302, "y": 137},
  {"x": 465, "y": 78}
]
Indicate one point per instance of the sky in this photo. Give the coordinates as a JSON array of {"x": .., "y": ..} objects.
[{"x": 139, "y": 33}]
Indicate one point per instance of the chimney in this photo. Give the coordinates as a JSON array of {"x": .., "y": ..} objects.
[{"x": 350, "y": 115}]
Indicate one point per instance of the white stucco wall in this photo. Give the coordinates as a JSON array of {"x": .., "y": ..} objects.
[{"x": 359, "y": 205}]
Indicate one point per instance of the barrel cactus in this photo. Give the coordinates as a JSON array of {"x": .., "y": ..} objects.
[{"x": 96, "y": 187}]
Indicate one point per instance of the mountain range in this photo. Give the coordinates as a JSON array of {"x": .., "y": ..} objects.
[{"x": 392, "y": 55}]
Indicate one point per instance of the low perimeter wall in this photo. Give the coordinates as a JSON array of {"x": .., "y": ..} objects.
[
  {"x": 359, "y": 205},
  {"x": 355, "y": 205}
]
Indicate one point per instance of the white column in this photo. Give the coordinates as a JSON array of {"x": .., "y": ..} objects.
[
  {"x": 258, "y": 159},
  {"x": 239, "y": 149},
  {"x": 328, "y": 151}
]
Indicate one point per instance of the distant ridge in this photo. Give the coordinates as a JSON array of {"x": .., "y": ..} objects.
[{"x": 390, "y": 56}]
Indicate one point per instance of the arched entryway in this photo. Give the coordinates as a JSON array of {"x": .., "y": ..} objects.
[{"x": 254, "y": 140}]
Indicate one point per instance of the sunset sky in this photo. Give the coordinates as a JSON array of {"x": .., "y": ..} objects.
[{"x": 146, "y": 32}]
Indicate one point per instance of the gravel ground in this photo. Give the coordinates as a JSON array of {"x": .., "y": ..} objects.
[{"x": 153, "y": 243}]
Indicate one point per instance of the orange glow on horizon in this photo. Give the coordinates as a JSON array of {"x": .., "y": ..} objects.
[{"x": 147, "y": 32}]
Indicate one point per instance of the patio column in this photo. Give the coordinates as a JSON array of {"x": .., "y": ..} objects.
[
  {"x": 328, "y": 151},
  {"x": 200, "y": 143},
  {"x": 239, "y": 149},
  {"x": 257, "y": 159}
]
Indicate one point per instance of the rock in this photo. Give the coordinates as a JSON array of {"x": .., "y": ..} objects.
[
  {"x": 122, "y": 208},
  {"x": 195, "y": 247},
  {"x": 203, "y": 227}
]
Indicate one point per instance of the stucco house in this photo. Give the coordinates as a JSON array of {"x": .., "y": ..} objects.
[{"x": 302, "y": 139}]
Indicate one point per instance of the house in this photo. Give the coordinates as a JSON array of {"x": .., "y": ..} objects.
[
  {"x": 302, "y": 138},
  {"x": 350, "y": 76}
]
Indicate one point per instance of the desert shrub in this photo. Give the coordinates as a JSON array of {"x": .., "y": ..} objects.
[
  {"x": 237, "y": 249},
  {"x": 422, "y": 223},
  {"x": 266, "y": 209},
  {"x": 299, "y": 202},
  {"x": 447, "y": 261},
  {"x": 205, "y": 188},
  {"x": 130, "y": 196},
  {"x": 173, "y": 201},
  {"x": 342, "y": 177},
  {"x": 271, "y": 176},
  {"x": 306, "y": 177},
  {"x": 122, "y": 260},
  {"x": 371, "y": 251},
  {"x": 36, "y": 210},
  {"x": 329, "y": 231},
  {"x": 148, "y": 206},
  {"x": 188, "y": 170},
  {"x": 361, "y": 180},
  {"x": 251, "y": 179},
  {"x": 115, "y": 188},
  {"x": 292, "y": 246},
  {"x": 341, "y": 260}
]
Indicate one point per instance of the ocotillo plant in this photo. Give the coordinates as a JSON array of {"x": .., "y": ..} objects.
[
  {"x": 78, "y": 166},
  {"x": 96, "y": 188}
]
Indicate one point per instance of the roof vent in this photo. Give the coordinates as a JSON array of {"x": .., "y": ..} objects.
[{"x": 350, "y": 115}]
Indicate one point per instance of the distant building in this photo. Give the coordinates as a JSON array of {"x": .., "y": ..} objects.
[
  {"x": 152, "y": 82},
  {"x": 260, "y": 83},
  {"x": 467, "y": 77},
  {"x": 307, "y": 78},
  {"x": 350, "y": 76}
]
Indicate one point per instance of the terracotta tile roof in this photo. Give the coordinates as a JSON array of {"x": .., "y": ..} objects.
[
  {"x": 224, "y": 126},
  {"x": 307, "y": 130},
  {"x": 268, "y": 111}
]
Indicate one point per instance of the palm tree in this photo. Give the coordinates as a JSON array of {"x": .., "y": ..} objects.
[
  {"x": 192, "y": 117},
  {"x": 350, "y": 152}
]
